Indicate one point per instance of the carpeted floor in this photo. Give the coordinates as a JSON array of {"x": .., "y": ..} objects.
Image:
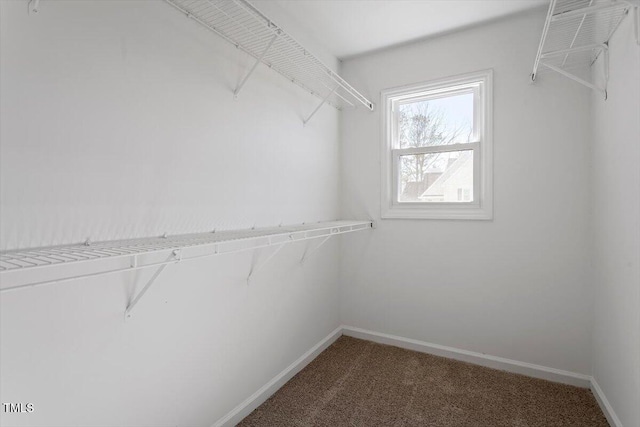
[{"x": 360, "y": 383}]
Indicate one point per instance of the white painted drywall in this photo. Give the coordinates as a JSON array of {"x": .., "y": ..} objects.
[
  {"x": 118, "y": 120},
  {"x": 616, "y": 227},
  {"x": 515, "y": 287}
]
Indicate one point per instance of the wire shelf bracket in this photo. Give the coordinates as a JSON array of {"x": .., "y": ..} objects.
[
  {"x": 175, "y": 254},
  {"x": 305, "y": 121},
  {"x": 255, "y": 65},
  {"x": 33, "y": 6},
  {"x": 255, "y": 267},
  {"x": 576, "y": 33},
  {"x": 308, "y": 252},
  {"x": 24, "y": 268},
  {"x": 248, "y": 29}
]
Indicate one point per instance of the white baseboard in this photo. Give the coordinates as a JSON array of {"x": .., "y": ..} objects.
[
  {"x": 260, "y": 396},
  {"x": 606, "y": 407},
  {"x": 508, "y": 365},
  {"x": 501, "y": 363}
]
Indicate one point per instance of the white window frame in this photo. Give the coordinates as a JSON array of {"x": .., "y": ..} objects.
[{"x": 481, "y": 208}]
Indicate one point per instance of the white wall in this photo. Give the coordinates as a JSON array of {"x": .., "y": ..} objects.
[
  {"x": 118, "y": 120},
  {"x": 517, "y": 286},
  {"x": 616, "y": 226}
]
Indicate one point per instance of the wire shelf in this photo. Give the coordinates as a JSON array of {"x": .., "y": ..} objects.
[
  {"x": 248, "y": 29},
  {"x": 184, "y": 247},
  {"x": 575, "y": 34}
]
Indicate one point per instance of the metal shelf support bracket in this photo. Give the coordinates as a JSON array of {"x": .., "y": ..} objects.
[
  {"x": 575, "y": 78},
  {"x": 175, "y": 255},
  {"x": 308, "y": 252},
  {"x": 304, "y": 122},
  {"x": 34, "y": 6},
  {"x": 255, "y": 65},
  {"x": 259, "y": 266},
  {"x": 602, "y": 48}
]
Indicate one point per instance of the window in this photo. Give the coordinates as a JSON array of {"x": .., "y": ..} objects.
[{"x": 436, "y": 149}]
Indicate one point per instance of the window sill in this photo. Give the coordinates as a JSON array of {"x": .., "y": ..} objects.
[{"x": 397, "y": 212}]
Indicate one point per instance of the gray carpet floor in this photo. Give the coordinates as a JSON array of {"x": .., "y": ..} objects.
[{"x": 360, "y": 383}]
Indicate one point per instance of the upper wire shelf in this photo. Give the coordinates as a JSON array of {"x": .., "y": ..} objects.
[
  {"x": 576, "y": 33},
  {"x": 240, "y": 23}
]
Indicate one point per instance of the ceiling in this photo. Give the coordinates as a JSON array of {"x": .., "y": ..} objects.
[{"x": 352, "y": 27}]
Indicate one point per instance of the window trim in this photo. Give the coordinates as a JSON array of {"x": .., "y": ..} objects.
[{"x": 481, "y": 144}]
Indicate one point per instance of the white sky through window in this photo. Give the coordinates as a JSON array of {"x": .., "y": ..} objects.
[{"x": 455, "y": 115}]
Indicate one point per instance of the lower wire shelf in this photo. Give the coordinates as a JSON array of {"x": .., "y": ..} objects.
[{"x": 25, "y": 268}]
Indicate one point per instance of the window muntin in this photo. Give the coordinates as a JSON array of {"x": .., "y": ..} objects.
[{"x": 437, "y": 149}]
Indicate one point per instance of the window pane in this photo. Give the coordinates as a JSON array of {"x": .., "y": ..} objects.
[
  {"x": 438, "y": 121},
  {"x": 436, "y": 177}
]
